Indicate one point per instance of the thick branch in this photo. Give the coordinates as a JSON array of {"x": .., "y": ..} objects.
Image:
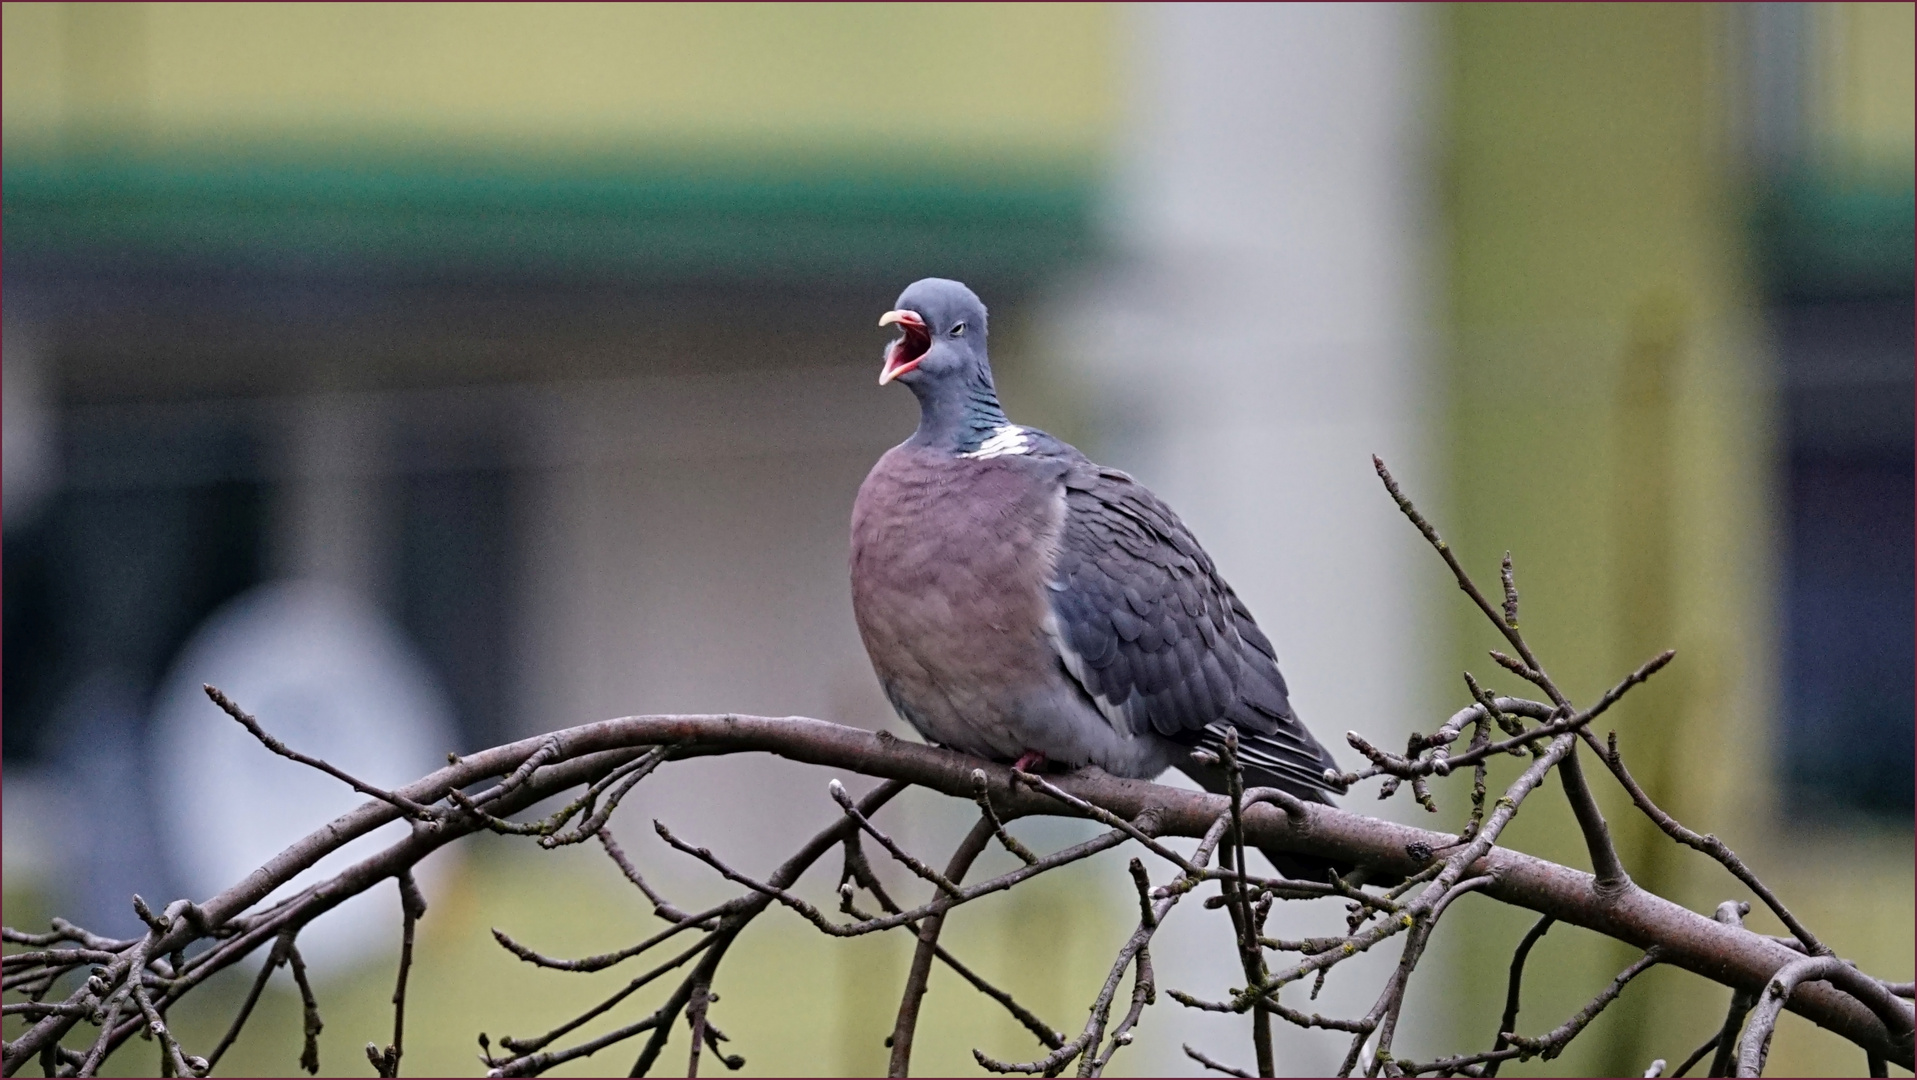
[
  {"x": 1792, "y": 979},
  {"x": 1728, "y": 955},
  {"x": 1709, "y": 845}
]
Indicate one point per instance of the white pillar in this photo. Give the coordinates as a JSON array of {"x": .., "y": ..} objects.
[
  {"x": 1259, "y": 335},
  {"x": 26, "y": 423},
  {"x": 334, "y": 519}
]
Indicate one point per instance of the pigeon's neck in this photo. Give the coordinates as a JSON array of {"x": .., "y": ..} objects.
[{"x": 959, "y": 416}]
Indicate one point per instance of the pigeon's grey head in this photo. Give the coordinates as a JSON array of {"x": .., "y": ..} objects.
[{"x": 941, "y": 337}]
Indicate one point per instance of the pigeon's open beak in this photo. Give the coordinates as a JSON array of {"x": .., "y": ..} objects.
[{"x": 904, "y": 354}]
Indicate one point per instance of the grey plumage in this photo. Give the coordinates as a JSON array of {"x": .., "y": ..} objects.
[
  {"x": 1160, "y": 642},
  {"x": 1015, "y": 597}
]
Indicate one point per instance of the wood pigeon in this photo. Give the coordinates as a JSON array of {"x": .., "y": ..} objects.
[{"x": 1021, "y": 603}]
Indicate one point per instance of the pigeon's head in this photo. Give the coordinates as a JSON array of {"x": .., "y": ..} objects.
[{"x": 941, "y": 336}]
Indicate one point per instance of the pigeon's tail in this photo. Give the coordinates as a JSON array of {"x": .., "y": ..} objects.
[
  {"x": 1304, "y": 867},
  {"x": 1276, "y": 763}
]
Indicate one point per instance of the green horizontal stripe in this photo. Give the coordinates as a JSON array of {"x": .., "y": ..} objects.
[
  {"x": 594, "y": 217},
  {"x": 1826, "y": 232}
]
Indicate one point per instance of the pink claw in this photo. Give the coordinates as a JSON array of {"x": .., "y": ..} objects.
[{"x": 1032, "y": 761}]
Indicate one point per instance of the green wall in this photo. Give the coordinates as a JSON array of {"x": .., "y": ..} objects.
[{"x": 1608, "y": 426}]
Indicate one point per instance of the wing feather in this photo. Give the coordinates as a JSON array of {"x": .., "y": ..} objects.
[{"x": 1160, "y": 642}]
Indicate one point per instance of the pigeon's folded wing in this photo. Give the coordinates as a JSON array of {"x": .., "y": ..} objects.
[{"x": 1160, "y": 642}]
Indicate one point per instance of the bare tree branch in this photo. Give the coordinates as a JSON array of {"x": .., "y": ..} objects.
[
  {"x": 928, "y": 931},
  {"x": 1709, "y": 845},
  {"x": 1790, "y": 978},
  {"x": 411, "y": 808},
  {"x": 858, "y": 874},
  {"x": 1215, "y": 1066},
  {"x": 1509, "y": 1022},
  {"x": 1697, "y": 1055},
  {"x": 1687, "y": 940},
  {"x": 273, "y": 962},
  {"x": 412, "y": 905},
  {"x": 1597, "y": 835}
]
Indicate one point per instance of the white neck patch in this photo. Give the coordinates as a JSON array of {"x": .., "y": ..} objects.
[{"x": 1007, "y": 440}]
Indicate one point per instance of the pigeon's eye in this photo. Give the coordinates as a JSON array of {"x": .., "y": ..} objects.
[{"x": 959, "y": 330}]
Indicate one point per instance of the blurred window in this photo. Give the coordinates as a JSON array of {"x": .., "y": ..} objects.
[
  {"x": 453, "y": 590},
  {"x": 1849, "y": 552},
  {"x": 1830, "y": 142},
  {"x": 160, "y": 514},
  {"x": 151, "y": 527}
]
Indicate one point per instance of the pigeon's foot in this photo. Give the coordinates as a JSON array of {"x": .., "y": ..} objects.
[{"x": 1031, "y": 761}]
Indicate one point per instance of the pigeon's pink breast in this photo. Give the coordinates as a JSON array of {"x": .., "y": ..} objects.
[{"x": 949, "y": 563}]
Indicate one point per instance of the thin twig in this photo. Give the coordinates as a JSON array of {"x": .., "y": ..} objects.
[
  {"x": 1724, "y": 1062},
  {"x": 911, "y": 862},
  {"x": 1313, "y": 1020},
  {"x": 1611, "y": 876},
  {"x": 1510, "y": 592},
  {"x": 535, "y": 1064},
  {"x": 701, "y": 921},
  {"x": 62, "y": 931},
  {"x": 981, "y": 794},
  {"x": 1549, "y": 1045},
  {"x": 731, "y": 926},
  {"x": 309, "y": 1011},
  {"x": 1153, "y": 910},
  {"x": 1144, "y": 993},
  {"x": 1453, "y": 869},
  {"x": 412, "y": 905},
  {"x": 696, "y": 1006},
  {"x": 660, "y": 905},
  {"x": 1514, "y": 988},
  {"x": 527, "y": 1046},
  {"x": 1214, "y": 1066},
  {"x": 1089, "y": 1039},
  {"x": 549, "y": 829},
  {"x": 1480, "y": 738},
  {"x": 1109, "y": 819},
  {"x": 1384, "y": 1014},
  {"x": 1697, "y": 1055},
  {"x": 859, "y": 873},
  {"x": 972, "y": 892},
  {"x": 173, "y": 1059},
  {"x": 1250, "y": 956},
  {"x": 920, "y": 973},
  {"x": 97, "y": 1052},
  {"x": 273, "y": 961},
  {"x": 1553, "y": 1043},
  {"x": 1385, "y": 763},
  {"x": 45, "y": 1008},
  {"x": 408, "y": 806}
]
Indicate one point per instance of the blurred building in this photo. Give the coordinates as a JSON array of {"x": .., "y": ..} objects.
[
  {"x": 1677, "y": 238},
  {"x": 546, "y": 333}
]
